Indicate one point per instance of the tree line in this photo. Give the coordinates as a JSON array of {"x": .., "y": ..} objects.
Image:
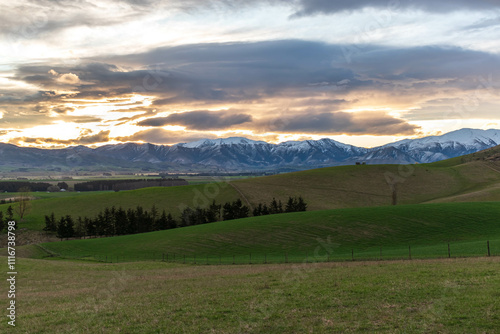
[
  {"x": 129, "y": 184},
  {"x": 14, "y": 186},
  {"x": 9, "y": 216},
  {"x": 118, "y": 221}
]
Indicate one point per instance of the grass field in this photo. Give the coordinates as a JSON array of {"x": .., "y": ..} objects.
[
  {"x": 44, "y": 195},
  {"x": 430, "y": 296},
  {"x": 362, "y": 186},
  {"x": 317, "y": 235},
  {"x": 172, "y": 199},
  {"x": 147, "y": 283},
  {"x": 463, "y": 179}
]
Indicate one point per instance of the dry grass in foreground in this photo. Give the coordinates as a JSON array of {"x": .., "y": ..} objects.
[{"x": 419, "y": 296}]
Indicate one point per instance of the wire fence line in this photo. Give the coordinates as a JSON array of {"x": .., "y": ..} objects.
[{"x": 412, "y": 252}]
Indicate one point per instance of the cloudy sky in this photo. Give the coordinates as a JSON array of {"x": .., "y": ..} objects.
[{"x": 367, "y": 72}]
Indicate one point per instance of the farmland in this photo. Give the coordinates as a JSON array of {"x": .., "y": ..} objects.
[
  {"x": 464, "y": 179},
  {"x": 319, "y": 235},
  {"x": 410, "y": 268},
  {"x": 420, "y": 296}
]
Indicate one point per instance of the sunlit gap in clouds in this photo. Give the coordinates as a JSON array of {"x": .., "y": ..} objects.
[{"x": 110, "y": 109}]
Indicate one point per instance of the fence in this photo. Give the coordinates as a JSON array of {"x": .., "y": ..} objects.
[{"x": 380, "y": 253}]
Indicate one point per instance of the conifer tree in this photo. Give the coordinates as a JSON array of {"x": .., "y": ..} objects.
[{"x": 171, "y": 223}]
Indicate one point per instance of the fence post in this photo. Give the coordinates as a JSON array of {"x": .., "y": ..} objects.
[
  {"x": 449, "y": 253},
  {"x": 162, "y": 257},
  {"x": 265, "y": 258},
  {"x": 488, "y": 245},
  {"x": 352, "y": 253},
  {"x": 409, "y": 252},
  {"x": 380, "y": 257},
  {"x": 233, "y": 259}
]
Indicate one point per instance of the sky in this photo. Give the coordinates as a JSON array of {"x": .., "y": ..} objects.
[{"x": 366, "y": 73}]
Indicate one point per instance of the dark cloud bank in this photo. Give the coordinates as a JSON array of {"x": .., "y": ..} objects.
[{"x": 243, "y": 74}]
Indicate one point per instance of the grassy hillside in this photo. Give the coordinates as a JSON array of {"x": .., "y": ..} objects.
[
  {"x": 426, "y": 227},
  {"x": 361, "y": 186},
  {"x": 172, "y": 199},
  {"x": 471, "y": 178}
]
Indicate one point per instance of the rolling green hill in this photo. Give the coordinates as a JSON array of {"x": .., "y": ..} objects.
[
  {"x": 475, "y": 177},
  {"x": 172, "y": 199},
  {"x": 361, "y": 186},
  {"x": 426, "y": 227}
]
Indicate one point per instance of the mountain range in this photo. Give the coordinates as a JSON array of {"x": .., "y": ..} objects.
[{"x": 242, "y": 154}]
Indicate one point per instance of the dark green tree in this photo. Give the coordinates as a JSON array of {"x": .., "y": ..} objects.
[
  {"x": 162, "y": 223},
  {"x": 10, "y": 214},
  {"x": 227, "y": 212},
  {"x": 273, "y": 207},
  {"x": 50, "y": 223},
  {"x": 257, "y": 211},
  {"x": 291, "y": 205},
  {"x": 61, "y": 228},
  {"x": 90, "y": 228},
  {"x": 265, "y": 210},
  {"x": 171, "y": 222},
  {"x": 121, "y": 221},
  {"x": 187, "y": 217},
  {"x": 238, "y": 210},
  {"x": 212, "y": 214},
  {"x": 301, "y": 204},
  {"x": 65, "y": 227},
  {"x": 80, "y": 229},
  {"x": 132, "y": 227}
]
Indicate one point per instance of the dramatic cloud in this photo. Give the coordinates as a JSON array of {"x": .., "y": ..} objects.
[
  {"x": 200, "y": 120},
  {"x": 99, "y": 138},
  {"x": 161, "y": 136},
  {"x": 246, "y": 72},
  {"x": 310, "y": 7},
  {"x": 67, "y": 78},
  {"x": 375, "y": 123},
  {"x": 261, "y": 68}
]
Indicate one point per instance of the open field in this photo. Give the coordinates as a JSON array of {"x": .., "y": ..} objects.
[
  {"x": 322, "y": 235},
  {"x": 309, "y": 283},
  {"x": 429, "y": 296},
  {"x": 44, "y": 195},
  {"x": 361, "y": 186},
  {"x": 172, "y": 199},
  {"x": 463, "y": 179}
]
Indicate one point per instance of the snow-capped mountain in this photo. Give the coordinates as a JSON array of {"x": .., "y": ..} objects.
[
  {"x": 242, "y": 153},
  {"x": 221, "y": 141},
  {"x": 237, "y": 153},
  {"x": 449, "y": 145},
  {"x": 245, "y": 153}
]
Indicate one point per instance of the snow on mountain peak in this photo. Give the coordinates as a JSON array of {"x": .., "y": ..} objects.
[
  {"x": 221, "y": 141},
  {"x": 466, "y": 137}
]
